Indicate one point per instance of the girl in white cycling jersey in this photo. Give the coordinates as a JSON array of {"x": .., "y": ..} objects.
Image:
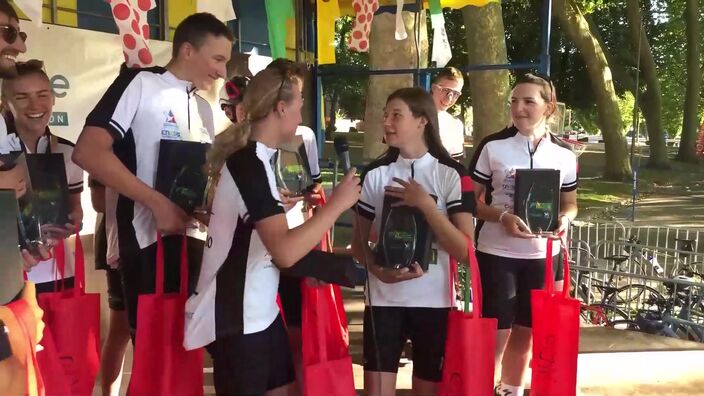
[
  {"x": 408, "y": 303},
  {"x": 511, "y": 259}
]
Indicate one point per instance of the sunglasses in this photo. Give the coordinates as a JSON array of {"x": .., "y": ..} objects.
[
  {"x": 10, "y": 34},
  {"x": 448, "y": 92}
]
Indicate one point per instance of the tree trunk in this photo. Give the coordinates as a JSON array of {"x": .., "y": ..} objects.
[
  {"x": 652, "y": 97},
  {"x": 385, "y": 52},
  {"x": 687, "y": 150},
  {"x": 486, "y": 44},
  {"x": 577, "y": 28}
]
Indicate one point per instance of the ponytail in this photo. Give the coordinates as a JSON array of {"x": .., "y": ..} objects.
[{"x": 226, "y": 143}]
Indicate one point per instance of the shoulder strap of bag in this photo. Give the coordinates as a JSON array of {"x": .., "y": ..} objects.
[
  {"x": 79, "y": 284},
  {"x": 159, "y": 287},
  {"x": 475, "y": 276},
  {"x": 549, "y": 276}
]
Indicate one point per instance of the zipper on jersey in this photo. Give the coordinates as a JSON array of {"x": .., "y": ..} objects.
[
  {"x": 532, "y": 152},
  {"x": 188, "y": 106}
]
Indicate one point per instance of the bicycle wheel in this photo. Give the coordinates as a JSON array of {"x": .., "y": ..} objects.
[
  {"x": 605, "y": 315},
  {"x": 631, "y": 298}
]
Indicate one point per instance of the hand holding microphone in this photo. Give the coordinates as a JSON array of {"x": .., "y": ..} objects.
[{"x": 348, "y": 190}]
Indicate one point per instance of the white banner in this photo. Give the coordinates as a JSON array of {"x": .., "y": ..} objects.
[{"x": 81, "y": 65}]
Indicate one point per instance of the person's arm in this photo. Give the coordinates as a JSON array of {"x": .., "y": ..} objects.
[
  {"x": 568, "y": 197},
  {"x": 97, "y": 195},
  {"x": 287, "y": 246},
  {"x": 513, "y": 224},
  {"x": 94, "y": 154},
  {"x": 568, "y": 211},
  {"x": 13, "y": 179},
  {"x": 76, "y": 211}
]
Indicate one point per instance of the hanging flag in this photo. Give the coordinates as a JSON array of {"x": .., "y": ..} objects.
[
  {"x": 442, "y": 52},
  {"x": 364, "y": 14},
  {"x": 328, "y": 13},
  {"x": 278, "y": 12},
  {"x": 32, "y": 9},
  {"x": 131, "y": 20},
  {"x": 400, "y": 27},
  {"x": 222, "y": 9}
]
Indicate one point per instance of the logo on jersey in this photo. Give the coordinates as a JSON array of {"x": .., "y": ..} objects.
[{"x": 169, "y": 130}]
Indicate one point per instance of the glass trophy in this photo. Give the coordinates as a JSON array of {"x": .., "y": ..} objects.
[
  {"x": 181, "y": 174},
  {"x": 537, "y": 199},
  {"x": 291, "y": 167},
  {"x": 404, "y": 237},
  {"x": 44, "y": 208}
]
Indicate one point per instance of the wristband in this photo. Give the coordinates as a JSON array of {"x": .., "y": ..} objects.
[{"x": 501, "y": 216}]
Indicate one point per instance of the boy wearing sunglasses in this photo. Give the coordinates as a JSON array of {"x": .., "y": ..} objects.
[{"x": 446, "y": 89}]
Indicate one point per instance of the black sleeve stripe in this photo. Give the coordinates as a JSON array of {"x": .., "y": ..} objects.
[
  {"x": 456, "y": 209},
  {"x": 76, "y": 184},
  {"x": 482, "y": 175},
  {"x": 117, "y": 127},
  {"x": 569, "y": 184},
  {"x": 568, "y": 189},
  {"x": 250, "y": 176},
  {"x": 63, "y": 141},
  {"x": 481, "y": 181},
  {"x": 366, "y": 206},
  {"x": 365, "y": 213},
  {"x": 455, "y": 202}
]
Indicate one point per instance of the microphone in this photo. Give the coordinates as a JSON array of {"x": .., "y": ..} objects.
[{"x": 342, "y": 148}]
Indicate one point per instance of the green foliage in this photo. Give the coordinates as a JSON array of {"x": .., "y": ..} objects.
[{"x": 348, "y": 91}]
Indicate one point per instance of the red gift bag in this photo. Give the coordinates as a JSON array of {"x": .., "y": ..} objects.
[
  {"x": 52, "y": 373},
  {"x": 161, "y": 364},
  {"x": 34, "y": 384},
  {"x": 468, "y": 368},
  {"x": 72, "y": 319},
  {"x": 327, "y": 364},
  {"x": 555, "y": 335}
]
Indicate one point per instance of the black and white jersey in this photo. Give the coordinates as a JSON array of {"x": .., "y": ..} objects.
[
  {"x": 237, "y": 286},
  {"x": 45, "y": 271},
  {"x": 441, "y": 179},
  {"x": 494, "y": 164},
  {"x": 141, "y": 108}
]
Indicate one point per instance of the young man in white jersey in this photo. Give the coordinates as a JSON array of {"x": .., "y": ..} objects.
[
  {"x": 120, "y": 143},
  {"x": 446, "y": 89},
  {"x": 29, "y": 100}
]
